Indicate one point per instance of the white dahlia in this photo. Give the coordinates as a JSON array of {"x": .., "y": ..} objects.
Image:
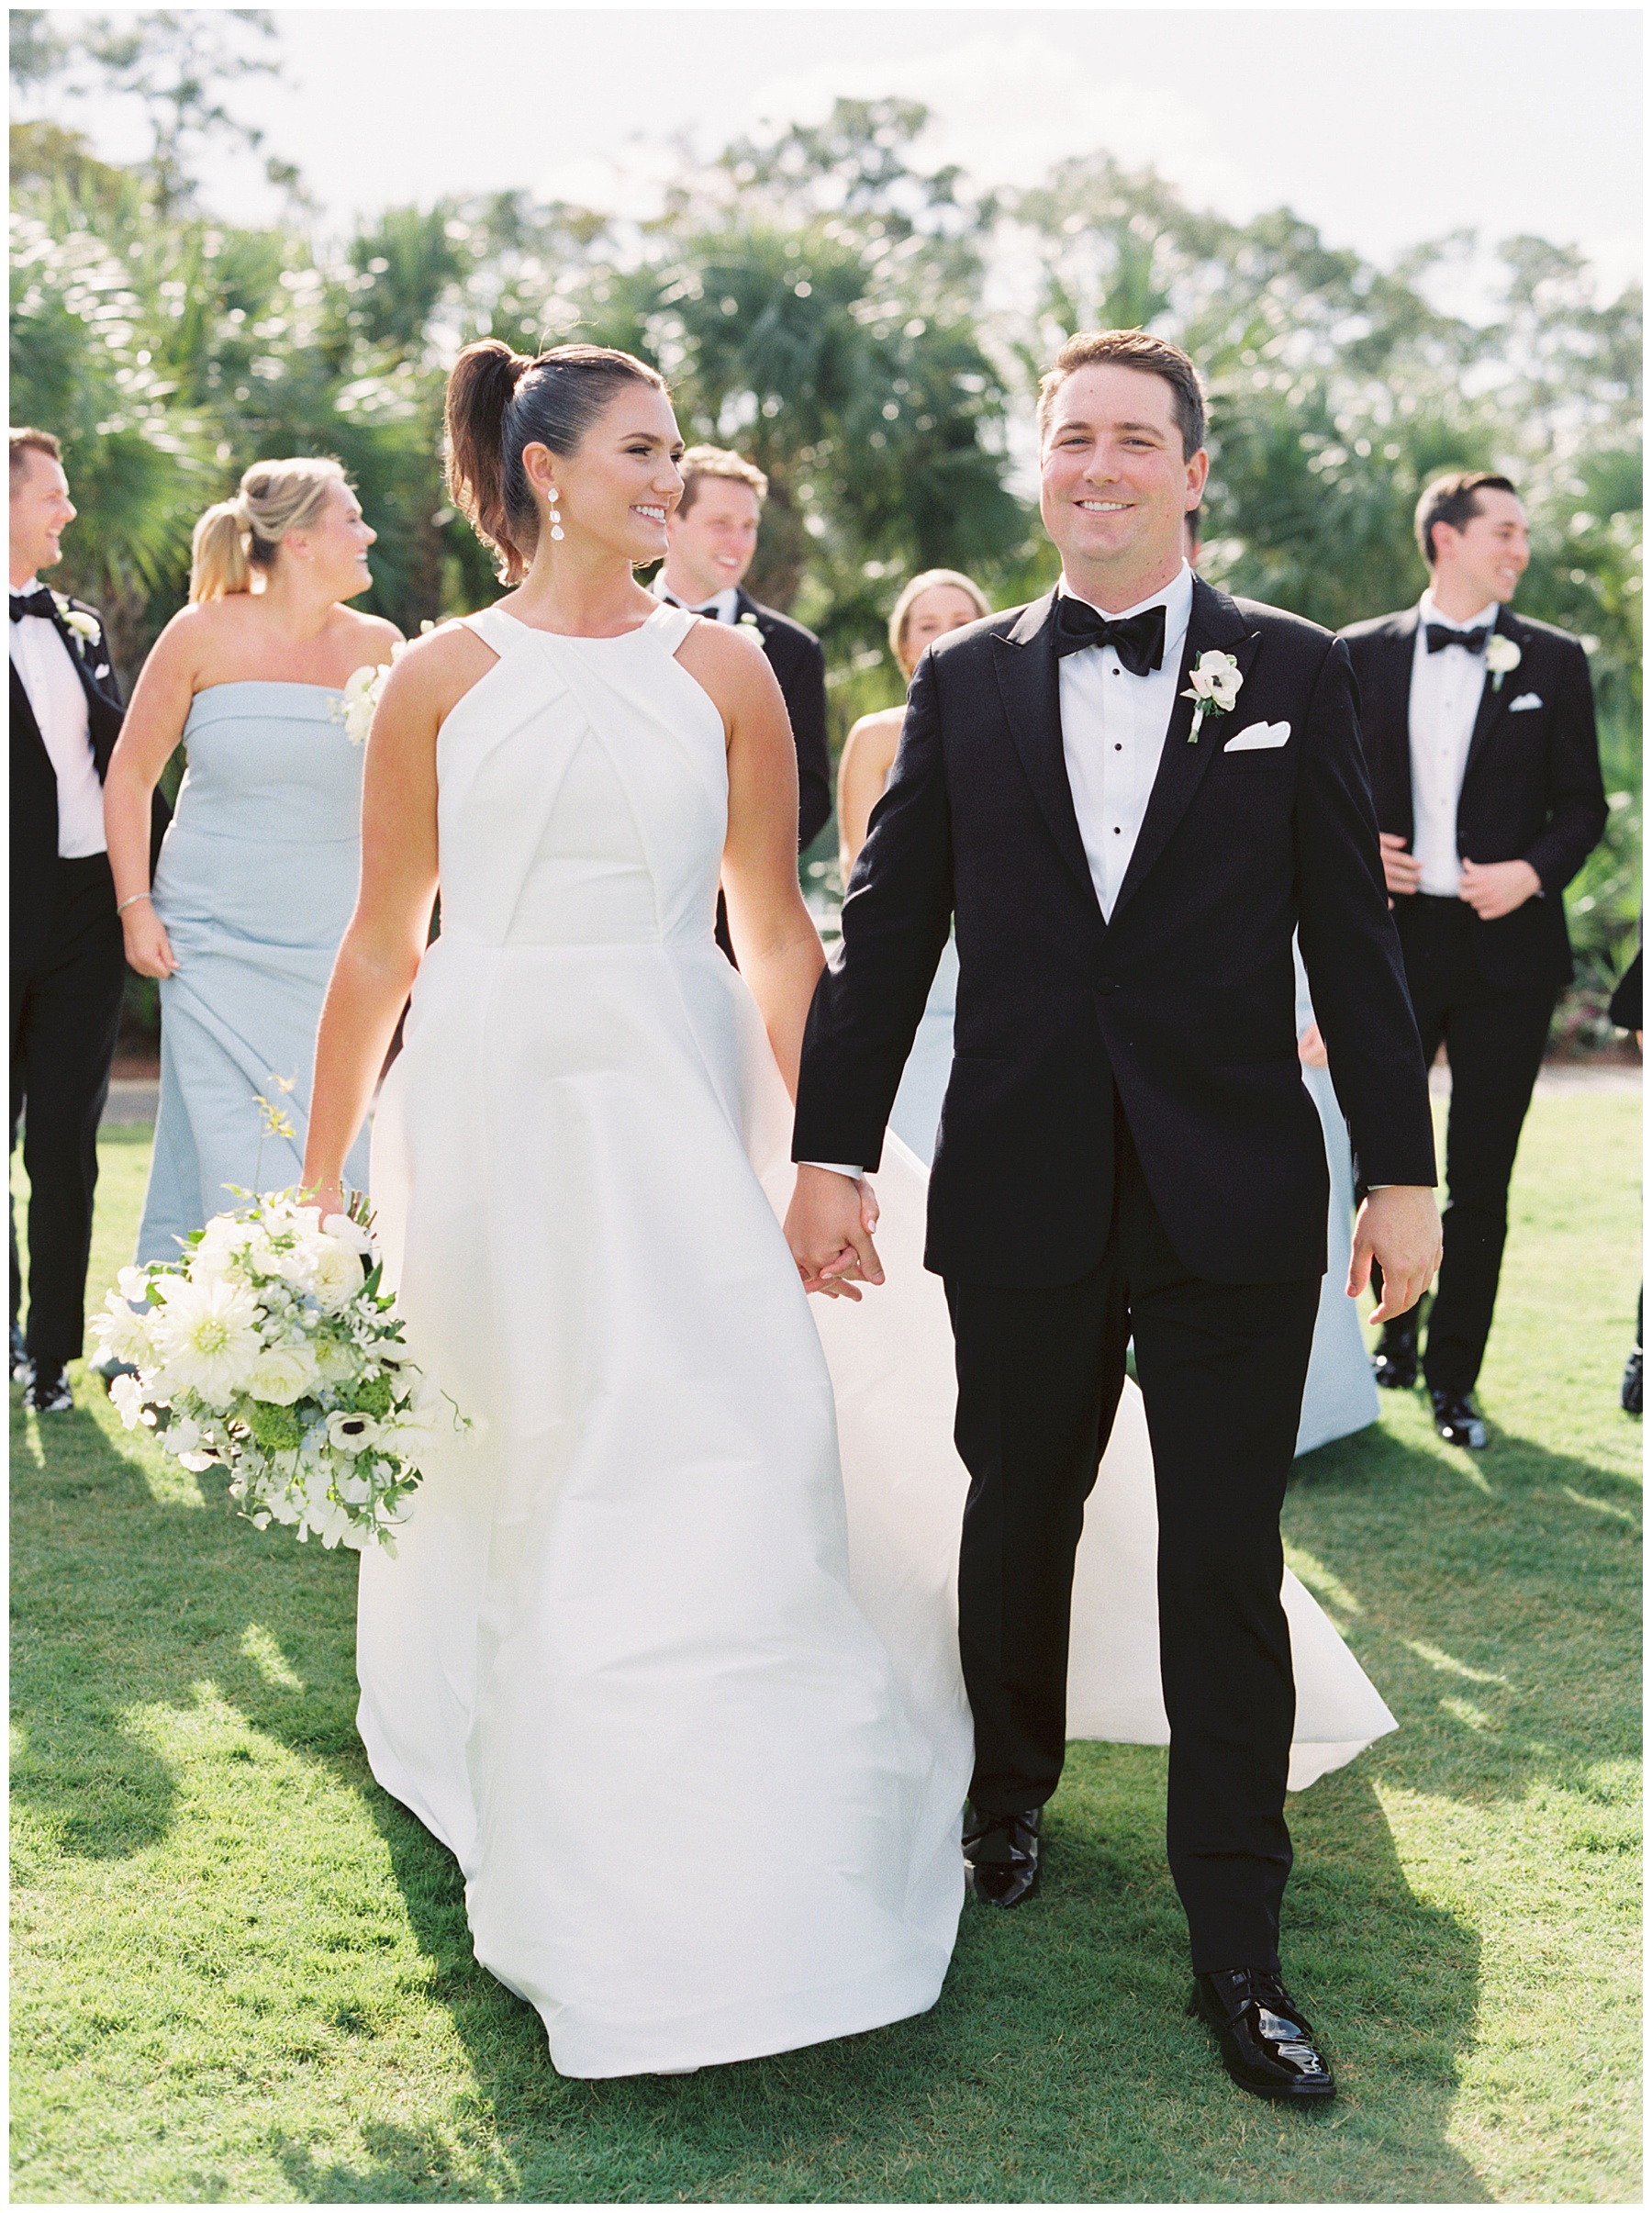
[{"x": 207, "y": 1337}]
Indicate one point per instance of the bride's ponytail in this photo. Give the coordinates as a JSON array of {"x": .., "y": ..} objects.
[
  {"x": 498, "y": 403},
  {"x": 479, "y": 394}
]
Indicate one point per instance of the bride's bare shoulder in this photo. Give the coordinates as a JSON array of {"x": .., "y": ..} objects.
[{"x": 433, "y": 672}]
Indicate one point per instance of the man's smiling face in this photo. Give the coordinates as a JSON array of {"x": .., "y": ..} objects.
[{"x": 1114, "y": 484}]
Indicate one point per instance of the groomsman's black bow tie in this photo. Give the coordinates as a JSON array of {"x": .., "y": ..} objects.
[
  {"x": 33, "y": 603},
  {"x": 1138, "y": 640},
  {"x": 712, "y": 612},
  {"x": 1471, "y": 641}
]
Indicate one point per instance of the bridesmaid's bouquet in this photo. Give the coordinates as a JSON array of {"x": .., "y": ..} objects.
[{"x": 268, "y": 1348}]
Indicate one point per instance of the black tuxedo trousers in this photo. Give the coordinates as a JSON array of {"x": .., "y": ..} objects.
[
  {"x": 65, "y": 1013},
  {"x": 1494, "y": 1039},
  {"x": 1221, "y": 1368}
]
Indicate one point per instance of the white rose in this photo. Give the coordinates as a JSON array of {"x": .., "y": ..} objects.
[
  {"x": 337, "y": 1363},
  {"x": 282, "y": 1374},
  {"x": 1502, "y": 655},
  {"x": 336, "y": 1274}
]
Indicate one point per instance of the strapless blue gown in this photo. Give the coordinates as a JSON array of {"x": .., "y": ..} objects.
[{"x": 256, "y": 883}]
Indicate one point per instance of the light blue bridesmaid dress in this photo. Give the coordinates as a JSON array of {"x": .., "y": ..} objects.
[{"x": 256, "y": 882}]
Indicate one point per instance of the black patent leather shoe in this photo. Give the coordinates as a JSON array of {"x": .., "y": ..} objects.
[
  {"x": 1267, "y": 2045},
  {"x": 1000, "y": 1851},
  {"x": 1458, "y": 1420},
  {"x": 1394, "y": 1362}
]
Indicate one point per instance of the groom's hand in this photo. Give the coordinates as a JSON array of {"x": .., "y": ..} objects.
[
  {"x": 1400, "y": 1229},
  {"x": 829, "y": 1227}
]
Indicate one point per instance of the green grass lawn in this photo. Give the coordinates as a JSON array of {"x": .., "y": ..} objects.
[{"x": 241, "y": 1973}]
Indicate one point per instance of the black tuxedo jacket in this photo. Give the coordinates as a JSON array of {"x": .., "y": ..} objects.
[
  {"x": 799, "y": 667},
  {"x": 34, "y": 806},
  {"x": 1531, "y": 787},
  {"x": 1185, "y": 1000}
]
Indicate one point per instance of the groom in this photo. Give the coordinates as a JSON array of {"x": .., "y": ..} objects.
[{"x": 1127, "y": 1150}]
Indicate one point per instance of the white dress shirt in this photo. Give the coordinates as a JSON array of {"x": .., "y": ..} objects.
[
  {"x": 722, "y": 607},
  {"x": 41, "y": 660},
  {"x": 1444, "y": 700},
  {"x": 1112, "y": 733}
]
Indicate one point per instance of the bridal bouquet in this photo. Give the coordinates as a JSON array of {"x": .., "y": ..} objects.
[{"x": 274, "y": 1351}]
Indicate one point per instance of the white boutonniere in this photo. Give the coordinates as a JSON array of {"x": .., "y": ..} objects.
[
  {"x": 752, "y": 628},
  {"x": 1502, "y": 655},
  {"x": 86, "y": 627},
  {"x": 364, "y": 688},
  {"x": 1213, "y": 687}
]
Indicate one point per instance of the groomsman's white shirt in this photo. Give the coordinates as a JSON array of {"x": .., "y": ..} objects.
[
  {"x": 1444, "y": 700},
  {"x": 722, "y": 607},
  {"x": 1112, "y": 733},
  {"x": 41, "y": 660}
]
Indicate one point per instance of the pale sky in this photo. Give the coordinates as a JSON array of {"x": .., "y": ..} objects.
[{"x": 1382, "y": 127}]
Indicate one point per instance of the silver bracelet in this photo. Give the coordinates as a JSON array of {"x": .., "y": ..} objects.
[{"x": 130, "y": 903}]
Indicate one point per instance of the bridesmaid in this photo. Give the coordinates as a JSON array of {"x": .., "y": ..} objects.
[
  {"x": 257, "y": 875},
  {"x": 938, "y": 600}
]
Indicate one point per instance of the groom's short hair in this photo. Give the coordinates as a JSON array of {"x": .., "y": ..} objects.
[
  {"x": 1455, "y": 501},
  {"x": 1131, "y": 349},
  {"x": 700, "y": 462}
]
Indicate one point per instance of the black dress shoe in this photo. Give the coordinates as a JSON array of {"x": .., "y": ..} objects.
[
  {"x": 1267, "y": 2046},
  {"x": 1001, "y": 1853},
  {"x": 49, "y": 1392},
  {"x": 22, "y": 1366},
  {"x": 1458, "y": 1420},
  {"x": 1629, "y": 1391},
  {"x": 1394, "y": 1362}
]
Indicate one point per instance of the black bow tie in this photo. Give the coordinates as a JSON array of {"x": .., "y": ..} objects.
[
  {"x": 33, "y": 603},
  {"x": 1471, "y": 641},
  {"x": 1138, "y": 640},
  {"x": 712, "y": 612}
]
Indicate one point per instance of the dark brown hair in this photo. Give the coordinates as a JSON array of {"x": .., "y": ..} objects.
[
  {"x": 498, "y": 403},
  {"x": 1131, "y": 349},
  {"x": 1455, "y": 501},
  {"x": 25, "y": 440}
]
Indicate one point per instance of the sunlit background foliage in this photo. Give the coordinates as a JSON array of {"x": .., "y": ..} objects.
[{"x": 868, "y": 330}]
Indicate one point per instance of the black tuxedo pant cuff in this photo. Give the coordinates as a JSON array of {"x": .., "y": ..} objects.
[
  {"x": 1221, "y": 1368},
  {"x": 65, "y": 1014}
]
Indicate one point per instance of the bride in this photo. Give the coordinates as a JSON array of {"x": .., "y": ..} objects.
[
  {"x": 703, "y": 1813},
  {"x": 679, "y": 1691}
]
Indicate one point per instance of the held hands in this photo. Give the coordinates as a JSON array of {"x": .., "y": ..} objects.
[
  {"x": 1496, "y": 888},
  {"x": 147, "y": 947},
  {"x": 1400, "y": 1229},
  {"x": 829, "y": 1226}
]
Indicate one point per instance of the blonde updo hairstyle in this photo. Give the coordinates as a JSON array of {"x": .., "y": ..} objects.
[
  {"x": 498, "y": 403},
  {"x": 927, "y": 581},
  {"x": 244, "y": 533}
]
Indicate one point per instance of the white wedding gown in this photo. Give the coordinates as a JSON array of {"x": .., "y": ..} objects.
[{"x": 682, "y": 1698}]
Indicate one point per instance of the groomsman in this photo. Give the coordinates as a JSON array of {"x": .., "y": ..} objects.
[
  {"x": 1480, "y": 734},
  {"x": 68, "y": 966},
  {"x": 713, "y": 536}
]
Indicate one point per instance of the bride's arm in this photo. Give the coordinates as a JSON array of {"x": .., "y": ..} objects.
[
  {"x": 775, "y": 939},
  {"x": 379, "y": 958}
]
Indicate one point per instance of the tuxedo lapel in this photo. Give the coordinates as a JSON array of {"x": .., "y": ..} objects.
[
  {"x": 1214, "y": 624},
  {"x": 1030, "y": 689},
  {"x": 1493, "y": 702}
]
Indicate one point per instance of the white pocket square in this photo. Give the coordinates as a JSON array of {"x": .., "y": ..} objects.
[
  {"x": 1258, "y": 735},
  {"x": 1526, "y": 699}
]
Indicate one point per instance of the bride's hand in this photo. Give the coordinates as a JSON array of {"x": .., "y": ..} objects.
[
  {"x": 829, "y": 1226},
  {"x": 329, "y": 1197}
]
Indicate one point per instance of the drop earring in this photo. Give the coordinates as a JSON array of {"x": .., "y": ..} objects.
[{"x": 553, "y": 514}]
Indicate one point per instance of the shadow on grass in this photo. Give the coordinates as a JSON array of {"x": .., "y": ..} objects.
[{"x": 1058, "y": 2063}]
